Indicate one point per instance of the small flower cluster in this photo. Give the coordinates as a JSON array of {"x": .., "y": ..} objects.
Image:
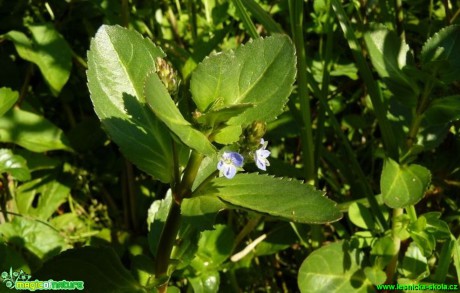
[{"x": 231, "y": 161}]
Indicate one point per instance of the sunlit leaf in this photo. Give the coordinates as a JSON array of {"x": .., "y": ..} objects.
[
  {"x": 14, "y": 165},
  {"x": 119, "y": 61},
  {"x": 8, "y": 98},
  {"x": 334, "y": 269},
  {"x": 284, "y": 198},
  {"x": 260, "y": 73},
  {"x": 403, "y": 185},
  {"x": 41, "y": 197},
  {"x": 164, "y": 108}
]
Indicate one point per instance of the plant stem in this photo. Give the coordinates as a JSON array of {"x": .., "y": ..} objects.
[
  {"x": 166, "y": 243},
  {"x": 172, "y": 224},
  {"x": 296, "y": 15},
  {"x": 391, "y": 268}
]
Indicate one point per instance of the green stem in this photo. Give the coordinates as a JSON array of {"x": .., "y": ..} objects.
[
  {"x": 172, "y": 224},
  {"x": 445, "y": 259},
  {"x": 247, "y": 22},
  {"x": 296, "y": 15},
  {"x": 166, "y": 243},
  {"x": 418, "y": 115},
  {"x": 125, "y": 13},
  {"x": 391, "y": 268}
]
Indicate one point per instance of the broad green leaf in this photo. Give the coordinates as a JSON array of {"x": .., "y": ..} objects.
[
  {"x": 201, "y": 211},
  {"x": 14, "y": 165},
  {"x": 375, "y": 275},
  {"x": 41, "y": 197},
  {"x": 334, "y": 269},
  {"x": 440, "y": 53},
  {"x": 118, "y": 63},
  {"x": 99, "y": 268},
  {"x": 418, "y": 231},
  {"x": 361, "y": 216},
  {"x": 31, "y": 131},
  {"x": 163, "y": 106},
  {"x": 414, "y": 264},
  {"x": 260, "y": 73},
  {"x": 8, "y": 98},
  {"x": 435, "y": 226},
  {"x": 36, "y": 236},
  {"x": 284, "y": 198},
  {"x": 206, "y": 282},
  {"x": 228, "y": 135},
  {"x": 214, "y": 247},
  {"x": 38, "y": 161},
  {"x": 383, "y": 251},
  {"x": 388, "y": 55},
  {"x": 403, "y": 185},
  {"x": 48, "y": 50},
  {"x": 444, "y": 110}
]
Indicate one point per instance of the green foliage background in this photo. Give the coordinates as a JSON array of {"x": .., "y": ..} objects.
[{"x": 372, "y": 122}]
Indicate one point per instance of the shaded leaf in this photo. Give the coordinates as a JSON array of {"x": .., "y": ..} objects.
[
  {"x": 388, "y": 55},
  {"x": 403, "y": 185},
  {"x": 440, "y": 53},
  {"x": 31, "y": 131},
  {"x": 118, "y": 63},
  {"x": 99, "y": 268},
  {"x": 8, "y": 98},
  {"x": 48, "y": 50},
  {"x": 36, "y": 236},
  {"x": 443, "y": 110}
]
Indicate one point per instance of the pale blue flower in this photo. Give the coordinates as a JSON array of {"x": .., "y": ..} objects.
[
  {"x": 261, "y": 155},
  {"x": 229, "y": 163}
]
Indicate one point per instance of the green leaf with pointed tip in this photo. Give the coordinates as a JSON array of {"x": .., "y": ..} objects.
[
  {"x": 403, "y": 185},
  {"x": 261, "y": 72},
  {"x": 334, "y": 269},
  {"x": 444, "y": 110},
  {"x": 31, "y": 131},
  {"x": 14, "y": 165},
  {"x": 8, "y": 98},
  {"x": 98, "y": 267},
  {"x": 163, "y": 106},
  {"x": 48, "y": 50},
  {"x": 119, "y": 61},
  {"x": 440, "y": 53},
  {"x": 388, "y": 55},
  {"x": 284, "y": 198},
  {"x": 228, "y": 135}
]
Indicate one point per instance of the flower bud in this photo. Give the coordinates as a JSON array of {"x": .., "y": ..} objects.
[{"x": 167, "y": 75}]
